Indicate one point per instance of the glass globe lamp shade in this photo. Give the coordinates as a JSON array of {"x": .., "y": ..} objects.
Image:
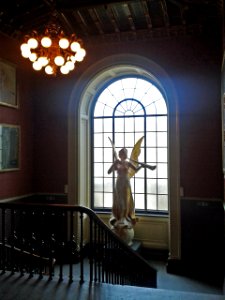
[
  {"x": 79, "y": 56},
  {"x": 24, "y": 47},
  {"x": 64, "y": 43},
  {"x": 73, "y": 59},
  {"x": 64, "y": 70},
  {"x": 33, "y": 57},
  {"x": 26, "y": 54},
  {"x": 75, "y": 46},
  {"x": 49, "y": 70},
  {"x": 37, "y": 66},
  {"x": 46, "y": 42},
  {"x": 59, "y": 60},
  {"x": 70, "y": 65},
  {"x": 32, "y": 43},
  {"x": 43, "y": 60},
  {"x": 81, "y": 52}
]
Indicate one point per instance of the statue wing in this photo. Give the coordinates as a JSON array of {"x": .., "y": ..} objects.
[
  {"x": 134, "y": 156},
  {"x": 114, "y": 149}
]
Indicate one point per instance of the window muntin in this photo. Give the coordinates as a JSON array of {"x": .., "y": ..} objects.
[{"x": 126, "y": 110}]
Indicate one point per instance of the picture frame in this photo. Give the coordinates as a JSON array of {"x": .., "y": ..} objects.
[
  {"x": 9, "y": 147},
  {"x": 8, "y": 85}
]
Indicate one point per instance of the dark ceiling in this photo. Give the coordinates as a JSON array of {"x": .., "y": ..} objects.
[{"x": 91, "y": 18}]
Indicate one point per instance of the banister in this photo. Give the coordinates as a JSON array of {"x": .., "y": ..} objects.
[{"x": 32, "y": 231}]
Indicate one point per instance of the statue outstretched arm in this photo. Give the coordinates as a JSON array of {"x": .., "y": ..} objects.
[{"x": 143, "y": 165}]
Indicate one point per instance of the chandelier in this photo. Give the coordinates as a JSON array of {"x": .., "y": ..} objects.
[{"x": 52, "y": 50}]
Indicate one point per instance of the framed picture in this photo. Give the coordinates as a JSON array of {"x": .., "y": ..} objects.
[
  {"x": 9, "y": 147},
  {"x": 8, "y": 95}
]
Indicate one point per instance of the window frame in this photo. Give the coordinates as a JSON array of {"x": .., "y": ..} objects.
[{"x": 145, "y": 211}]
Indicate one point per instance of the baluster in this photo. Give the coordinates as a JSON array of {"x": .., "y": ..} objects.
[
  {"x": 106, "y": 257},
  {"x": 22, "y": 256},
  {"x": 61, "y": 254},
  {"x": 81, "y": 250},
  {"x": 71, "y": 242},
  {"x": 16, "y": 252},
  {"x": 95, "y": 251},
  {"x": 91, "y": 250},
  {"x": 13, "y": 212},
  {"x": 102, "y": 253},
  {"x": 99, "y": 254},
  {"x": 44, "y": 249},
  {"x": 109, "y": 254},
  {"x": 51, "y": 259},
  {"x": 32, "y": 264},
  {"x": 22, "y": 243},
  {"x": 3, "y": 252},
  {"x": 41, "y": 263}
]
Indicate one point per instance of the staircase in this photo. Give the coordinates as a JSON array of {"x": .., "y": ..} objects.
[{"x": 36, "y": 237}]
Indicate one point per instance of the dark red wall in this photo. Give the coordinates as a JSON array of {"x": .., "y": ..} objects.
[
  {"x": 19, "y": 182},
  {"x": 50, "y": 144},
  {"x": 193, "y": 65}
]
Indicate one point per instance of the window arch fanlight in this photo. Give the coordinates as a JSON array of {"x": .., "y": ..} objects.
[{"x": 126, "y": 109}]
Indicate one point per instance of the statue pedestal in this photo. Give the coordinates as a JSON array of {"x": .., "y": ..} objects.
[{"x": 124, "y": 229}]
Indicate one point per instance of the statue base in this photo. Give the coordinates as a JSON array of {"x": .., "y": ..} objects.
[{"x": 123, "y": 229}]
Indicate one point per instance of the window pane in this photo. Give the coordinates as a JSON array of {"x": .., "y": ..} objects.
[
  {"x": 98, "y": 170},
  {"x": 98, "y": 140},
  {"x": 162, "y": 139},
  {"x": 129, "y": 125},
  {"x": 98, "y": 125},
  {"x": 151, "y": 139},
  {"x": 163, "y": 202},
  {"x": 151, "y": 124},
  {"x": 162, "y": 154},
  {"x": 129, "y": 84},
  {"x": 107, "y": 98},
  {"x": 139, "y": 201},
  {"x": 107, "y": 125},
  {"x": 162, "y": 186},
  {"x": 151, "y": 202},
  {"x": 139, "y": 185},
  {"x": 119, "y": 125},
  {"x": 108, "y": 187},
  {"x": 108, "y": 200},
  {"x": 162, "y": 170},
  {"x": 130, "y": 140},
  {"x": 161, "y": 107},
  {"x": 151, "y": 186},
  {"x": 98, "y": 200},
  {"x": 139, "y": 125},
  {"x": 98, "y": 182},
  {"x": 152, "y": 173},
  {"x": 108, "y": 155},
  {"x": 151, "y": 154},
  {"x": 98, "y": 154},
  {"x": 162, "y": 123}
]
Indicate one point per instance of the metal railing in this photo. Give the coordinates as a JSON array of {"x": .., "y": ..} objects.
[{"x": 38, "y": 239}]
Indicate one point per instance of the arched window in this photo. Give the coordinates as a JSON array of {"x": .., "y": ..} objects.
[
  {"x": 126, "y": 109},
  {"x": 81, "y": 145}
]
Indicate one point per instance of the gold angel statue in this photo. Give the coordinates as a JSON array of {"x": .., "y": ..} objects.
[{"x": 123, "y": 209}]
